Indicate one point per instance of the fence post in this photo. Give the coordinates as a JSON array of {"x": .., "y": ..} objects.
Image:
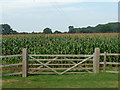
[
  {"x": 104, "y": 61},
  {"x": 24, "y": 63},
  {"x": 96, "y": 60}
]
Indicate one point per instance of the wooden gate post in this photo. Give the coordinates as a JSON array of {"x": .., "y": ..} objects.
[
  {"x": 104, "y": 61},
  {"x": 24, "y": 63},
  {"x": 96, "y": 60}
]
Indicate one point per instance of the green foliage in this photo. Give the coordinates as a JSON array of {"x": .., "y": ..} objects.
[
  {"x": 47, "y": 31},
  {"x": 57, "y": 31},
  {"x": 105, "y": 28},
  {"x": 60, "y": 44},
  {"x": 72, "y": 29},
  {"x": 6, "y": 29}
]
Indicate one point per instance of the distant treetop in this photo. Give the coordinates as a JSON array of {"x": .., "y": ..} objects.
[
  {"x": 6, "y": 29},
  {"x": 47, "y": 31}
]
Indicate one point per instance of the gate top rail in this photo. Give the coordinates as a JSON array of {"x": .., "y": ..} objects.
[
  {"x": 62, "y": 55},
  {"x": 67, "y": 55}
]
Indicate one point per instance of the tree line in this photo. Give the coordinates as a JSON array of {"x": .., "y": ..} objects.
[{"x": 101, "y": 28}]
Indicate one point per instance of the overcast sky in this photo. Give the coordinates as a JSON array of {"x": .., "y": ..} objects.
[{"x": 35, "y": 15}]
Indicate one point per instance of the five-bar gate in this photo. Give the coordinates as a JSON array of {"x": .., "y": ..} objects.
[{"x": 60, "y": 64}]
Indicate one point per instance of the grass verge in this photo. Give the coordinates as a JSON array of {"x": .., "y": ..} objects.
[{"x": 86, "y": 80}]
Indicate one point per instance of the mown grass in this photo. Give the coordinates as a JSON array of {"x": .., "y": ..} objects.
[{"x": 86, "y": 80}]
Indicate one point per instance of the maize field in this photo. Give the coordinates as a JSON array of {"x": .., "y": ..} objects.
[{"x": 59, "y": 44}]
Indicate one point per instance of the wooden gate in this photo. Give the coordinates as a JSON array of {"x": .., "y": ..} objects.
[{"x": 45, "y": 64}]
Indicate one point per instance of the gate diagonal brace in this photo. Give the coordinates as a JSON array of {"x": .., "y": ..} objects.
[
  {"x": 80, "y": 65},
  {"x": 75, "y": 65},
  {"x": 45, "y": 65}
]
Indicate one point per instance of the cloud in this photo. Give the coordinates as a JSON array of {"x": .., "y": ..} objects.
[
  {"x": 21, "y": 5},
  {"x": 0, "y": 14},
  {"x": 73, "y": 8},
  {"x": 62, "y": 1},
  {"x": 42, "y": 4},
  {"x": 70, "y": 1},
  {"x": 28, "y": 3}
]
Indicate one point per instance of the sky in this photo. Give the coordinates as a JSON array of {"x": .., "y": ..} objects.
[{"x": 36, "y": 15}]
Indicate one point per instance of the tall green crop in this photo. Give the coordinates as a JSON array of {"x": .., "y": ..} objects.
[{"x": 60, "y": 44}]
